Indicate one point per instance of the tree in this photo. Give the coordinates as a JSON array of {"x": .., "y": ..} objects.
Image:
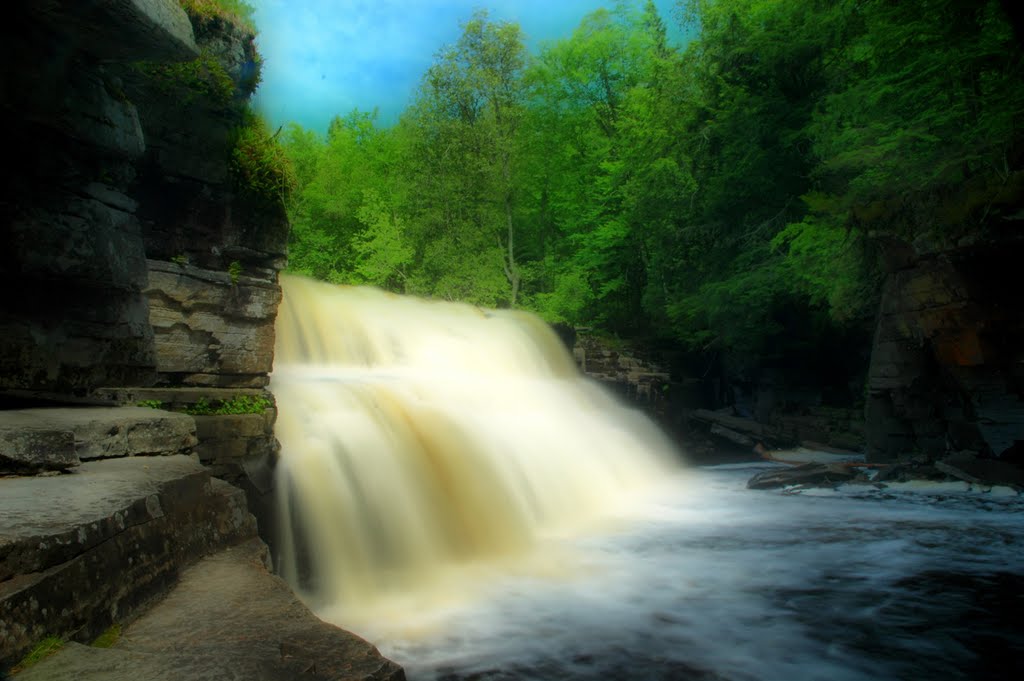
[{"x": 466, "y": 122}]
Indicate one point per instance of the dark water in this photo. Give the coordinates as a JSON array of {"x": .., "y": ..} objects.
[{"x": 707, "y": 580}]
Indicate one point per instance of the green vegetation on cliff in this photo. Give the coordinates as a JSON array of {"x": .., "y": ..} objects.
[
  {"x": 201, "y": 78},
  {"x": 237, "y": 11},
  {"x": 259, "y": 165},
  {"x": 239, "y": 404},
  {"x": 257, "y": 161},
  {"x": 732, "y": 194}
]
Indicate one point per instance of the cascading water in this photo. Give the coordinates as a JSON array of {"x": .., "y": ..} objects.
[
  {"x": 427, "y": 446},
  {"x": 418, "y": 435}
]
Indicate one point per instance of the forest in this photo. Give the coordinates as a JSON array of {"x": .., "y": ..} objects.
[{"x": 734, "y": 194}]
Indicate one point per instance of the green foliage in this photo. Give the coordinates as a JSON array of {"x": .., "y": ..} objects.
[
  {"x": 382, "y": 252},
  {"x": 108, "y": 638},
  {"x": 259, "y": 163},
  {"x": 332, "y": 229},
  {"x": 728, "y": 195},
  {"x": 244, "y": 404},
  {"x": 180, "y": 260},
  {"x": 830, "y": 266},
  {"x": 201, "y": 78},
  {"x": 200, "y": 408},
  {"x": 203, "y": 11},
  {"x": 44, "y": 649},
  {"x": 234, "y": 271},
  {"x": 570, "y": 299},
  {"x": 240, "y": 404},
  {"x": 924, "y": 101},
  {"x": 151, "y": 404}
]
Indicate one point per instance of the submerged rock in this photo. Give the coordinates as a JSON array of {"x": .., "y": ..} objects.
[
  {"x": 976, "y": 470},
  {"x": 812, "y": 474}
]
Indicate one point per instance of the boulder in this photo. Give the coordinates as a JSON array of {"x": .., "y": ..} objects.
[{"x": 811, "y": 474}]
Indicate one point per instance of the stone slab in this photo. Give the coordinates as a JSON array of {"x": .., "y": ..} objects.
[
  {"x": 30, "y": 450},
  {"x": 45, "y": 521},
  {"x": 103, "y": 432},
  {"x": 80, "y": 551},
  {"x": 227, "y": 618}
]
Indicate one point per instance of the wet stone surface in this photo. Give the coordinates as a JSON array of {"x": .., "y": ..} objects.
[{"x": 228, "y": 618}]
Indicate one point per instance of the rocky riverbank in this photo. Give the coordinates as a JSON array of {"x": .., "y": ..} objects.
[
  {"x": 136, "y": 434},
  {"x": 976, "y": 472}
]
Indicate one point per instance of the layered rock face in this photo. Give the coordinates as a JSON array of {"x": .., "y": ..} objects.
[
  {"x": 678, "y": 405},
  {"x": 139, "y": 267},
  {"x": 75, "y": 271},
  {"x": 143, "y": 259},
  {"x": 640, "y": 381},
  {"x": 947, "y": 367},
  {"x": 82, "y": 551},
  {"x": 140, "y": 259}
]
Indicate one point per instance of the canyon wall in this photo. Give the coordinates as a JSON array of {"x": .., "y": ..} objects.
[
  {"x": 947, "y": 366},
  {"x": 140, "y": 268},
  {"x": 139, "y": 255}
]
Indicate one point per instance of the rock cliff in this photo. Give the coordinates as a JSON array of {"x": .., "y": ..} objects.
[
  {"x": 947, "y": 366},
  {"x": 145, "y": 229}
]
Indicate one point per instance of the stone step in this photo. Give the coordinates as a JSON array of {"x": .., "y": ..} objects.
[
  {"x": 81, "y": 550},
  {"x": 177, "y": 398},
  {"x": 228, "y": 618},
  {"x": 61, "y": 437}
]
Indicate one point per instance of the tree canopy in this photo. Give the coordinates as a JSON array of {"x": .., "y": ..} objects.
[{"x": 718, "y": 195}]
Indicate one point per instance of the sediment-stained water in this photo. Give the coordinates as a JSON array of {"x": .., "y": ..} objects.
[
  {"x": 418, "y": 437},
  {"x": 709, "y": 580},
  {"x": 454, "y": 491}
]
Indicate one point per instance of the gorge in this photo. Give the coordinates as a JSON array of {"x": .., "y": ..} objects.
[
  {"x": 184, "y": 426},
  {"x": 452, "y": 488}
]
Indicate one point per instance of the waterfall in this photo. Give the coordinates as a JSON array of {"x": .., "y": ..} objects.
[{"x": 417, "y": 435}]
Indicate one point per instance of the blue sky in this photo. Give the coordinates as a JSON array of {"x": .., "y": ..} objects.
[{"x": 326, "y": 57}]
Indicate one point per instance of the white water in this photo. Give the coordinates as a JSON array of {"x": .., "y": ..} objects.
[
  {"x": 468, "y": 504},
  {"x": 709, "y": 580},
  {"x": 419, "y": 438}
]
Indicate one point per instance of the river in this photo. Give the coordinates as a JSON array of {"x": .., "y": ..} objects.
[
  {"x": 708, "y": 580},
  {"x": 453, "y": 489}
]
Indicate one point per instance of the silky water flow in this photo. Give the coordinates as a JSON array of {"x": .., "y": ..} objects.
[
  {"x": 452, "y": 489},
  {"x": 421, "y": 438}
]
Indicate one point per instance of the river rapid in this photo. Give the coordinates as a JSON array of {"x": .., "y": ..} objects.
[
  {"x": 705, "y": 579},
  {"x": 452, "y": 488}
]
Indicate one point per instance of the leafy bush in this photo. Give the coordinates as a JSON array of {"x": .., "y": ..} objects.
[
  {"x": 259, "y": 163},
  {"x": 240, "y": 404},
  {"x": 203, "y": 77},
  {"x": 152, "y": 404}
]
